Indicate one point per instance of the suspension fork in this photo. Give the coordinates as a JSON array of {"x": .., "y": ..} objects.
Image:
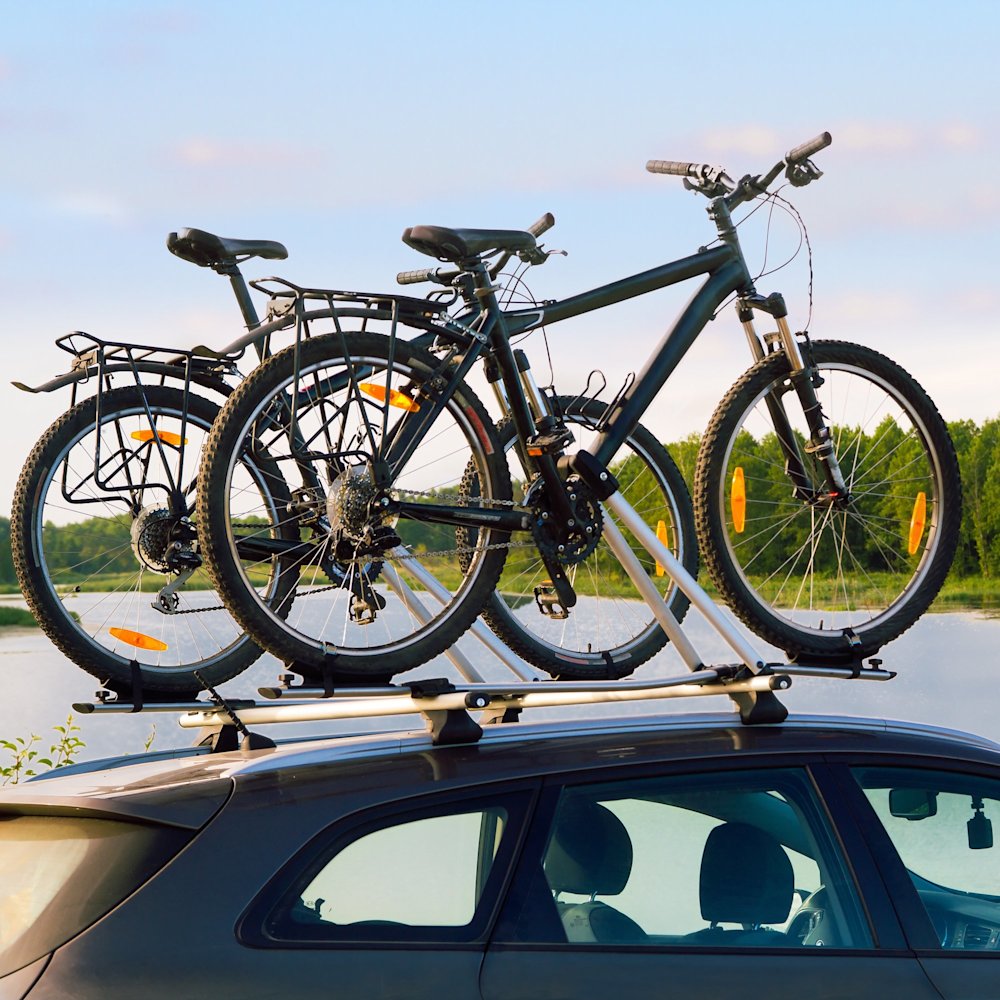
[{"x": 802, "y": 377}]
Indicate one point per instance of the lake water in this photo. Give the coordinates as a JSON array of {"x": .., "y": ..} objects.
[{"x": 948, "y": 670}]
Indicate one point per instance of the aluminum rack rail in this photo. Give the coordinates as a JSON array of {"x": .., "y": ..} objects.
[{"x": 445, "y": 705}]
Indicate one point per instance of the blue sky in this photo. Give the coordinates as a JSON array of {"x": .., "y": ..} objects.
[{"x": 333, "y": 126}]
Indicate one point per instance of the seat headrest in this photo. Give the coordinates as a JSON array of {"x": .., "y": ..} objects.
[
  {"x": 590, "y": 853},
  {"x": 746, "y": 877}
]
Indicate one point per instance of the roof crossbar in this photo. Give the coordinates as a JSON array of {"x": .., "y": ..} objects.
[{"x": 445, "y": 705}]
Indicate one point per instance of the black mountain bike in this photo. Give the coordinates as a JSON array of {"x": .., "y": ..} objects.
[{"x": 826, "y": 502}]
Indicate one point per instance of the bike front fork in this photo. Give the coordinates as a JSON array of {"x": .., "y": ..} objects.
[{"x": 805, "y": 379}]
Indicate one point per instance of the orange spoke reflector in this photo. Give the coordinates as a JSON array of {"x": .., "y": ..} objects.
[
  {"x": 918, "y": 521},
  {"x": 167, "y": 437},
  {"x": 396, "y": 398},
  {"x": 738, "y": 500},
  {"x": 661, "y": 534},
  {"x": 137, "y": 639}
]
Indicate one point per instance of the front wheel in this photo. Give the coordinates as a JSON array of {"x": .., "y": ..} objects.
[{"x": 812, "y": 574}]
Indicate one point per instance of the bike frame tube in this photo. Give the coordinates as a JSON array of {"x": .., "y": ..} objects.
[{"x": 727, "y": 274}]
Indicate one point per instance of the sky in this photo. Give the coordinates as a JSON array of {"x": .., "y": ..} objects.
[{"x": 331, "y": 127}]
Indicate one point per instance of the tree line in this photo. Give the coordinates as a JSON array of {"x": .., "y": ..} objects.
[{"x": 977, "y": 445}]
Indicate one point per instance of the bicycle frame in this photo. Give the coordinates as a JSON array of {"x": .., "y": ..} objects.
[{"x": 489, "y": 329}]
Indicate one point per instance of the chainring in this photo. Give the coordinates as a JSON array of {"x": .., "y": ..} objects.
[{"x": 568, "y": 544}]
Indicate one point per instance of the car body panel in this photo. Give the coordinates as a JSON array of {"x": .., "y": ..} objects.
[{"x": 178, "y": 935}]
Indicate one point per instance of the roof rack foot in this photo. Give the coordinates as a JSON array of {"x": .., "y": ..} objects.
[
  {"x": 451, "y": 726},
  {"x": 758, "y": 708}
]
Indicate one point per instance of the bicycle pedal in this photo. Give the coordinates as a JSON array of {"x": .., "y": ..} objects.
[
  {"x": 362, "y": 613},
  {"x": 554, "y": 440},
  {"x": 548, "y": 603}
]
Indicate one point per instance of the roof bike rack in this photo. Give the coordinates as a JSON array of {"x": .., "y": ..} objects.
[{"x": 751, "y": 683}]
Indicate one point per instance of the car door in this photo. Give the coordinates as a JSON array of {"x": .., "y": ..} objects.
[
  {"x": 656, "y": 882},
  {"x": 936, "y": 833}
]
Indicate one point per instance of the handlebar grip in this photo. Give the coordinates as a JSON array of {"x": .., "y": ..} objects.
[
  {"x": 416, "y": 277},
  {"x": 807, "y": 149},
  {"x": 546, "y": 222},
  {"x": 675, "y": 167}
]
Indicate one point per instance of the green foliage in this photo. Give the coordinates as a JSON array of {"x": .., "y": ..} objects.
[
  {"x": 73, "y": 548},
  {"x": 25, "y": 753},
  {"x": 6, "y": 562},
  {"x": 17, "y": 616}
]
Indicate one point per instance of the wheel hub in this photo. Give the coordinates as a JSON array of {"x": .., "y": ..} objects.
[
  {"x": 152, "y": 536},
  {"x": 357, "y": 525}
]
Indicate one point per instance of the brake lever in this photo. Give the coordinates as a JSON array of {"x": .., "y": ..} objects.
[
  {"x": 714, "y": 183},
  {"x": 801, "y": 173},
  {"x": 536, "y": 255}
]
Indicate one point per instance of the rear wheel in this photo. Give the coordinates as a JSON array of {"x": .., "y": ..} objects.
[
  {"x": 610, "y": 631},
  {"x": 377, "y": 591},
  {"x": 820, "y": 576},
  {"x": 103, "y": 545}
]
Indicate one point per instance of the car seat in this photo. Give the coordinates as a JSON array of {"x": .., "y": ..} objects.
[
  {"x": 746, "y": 879},
  {"x": 591, "y": 855}
]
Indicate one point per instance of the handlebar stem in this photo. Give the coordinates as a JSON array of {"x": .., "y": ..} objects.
[{"x": 719, "y": 213}]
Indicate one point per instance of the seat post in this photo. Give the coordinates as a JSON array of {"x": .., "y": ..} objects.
[{"x": 232, "y": 271}]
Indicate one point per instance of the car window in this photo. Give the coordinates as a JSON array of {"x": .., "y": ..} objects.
[
  {"x": 421, "y": 876},
  {"x": 946, "y": 829},
  {"x": 732, "y": 860}
]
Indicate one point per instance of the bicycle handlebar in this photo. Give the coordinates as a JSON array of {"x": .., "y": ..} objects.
[
  {"x": 807, "y": 149},
  {"x": 545, "y": 223},
  {"x": 416, "y": 277},
  {"x": 676, "y": 168}
]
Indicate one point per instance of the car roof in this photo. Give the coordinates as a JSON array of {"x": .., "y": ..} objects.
[{"x": 185, "y": 787}]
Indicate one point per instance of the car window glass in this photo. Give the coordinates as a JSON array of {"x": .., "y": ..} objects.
[
  {"x": 733, "y": 860},
  {"x": 374, "y": 878},
  {"x": 421, "y": 877},
  {"x": 946, "y": 829}
]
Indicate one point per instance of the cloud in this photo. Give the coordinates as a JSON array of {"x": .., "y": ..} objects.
[
  {"x": 752, "y": 140},
  {"x": 89, "y": 205},
  {"x": 873, "y": 308},
  {"x": 201, "y": 151}
]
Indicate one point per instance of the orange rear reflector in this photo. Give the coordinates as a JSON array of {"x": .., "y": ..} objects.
[
  {"x": 918, "y": 521},
  {"x": 738, "y": 500},
  {"x": 396, "y": 398},
  {"x": 661, "y": 534},
  {"x": 137, "y": 639},
  {"x": 167, "y": 437}
]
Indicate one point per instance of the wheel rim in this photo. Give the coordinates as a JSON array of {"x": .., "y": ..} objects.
[
  {"x": 104, "y": 567},
  {"x": 392, "y": 585},
  {"x": 821, "y": 568}
]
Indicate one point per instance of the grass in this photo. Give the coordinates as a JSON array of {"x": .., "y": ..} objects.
[{"x": 17, "y": 618}]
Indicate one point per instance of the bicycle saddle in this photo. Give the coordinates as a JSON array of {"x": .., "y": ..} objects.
[
  {"x": 208, "y": 250},
  {"x": 461, "y": 244}
]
